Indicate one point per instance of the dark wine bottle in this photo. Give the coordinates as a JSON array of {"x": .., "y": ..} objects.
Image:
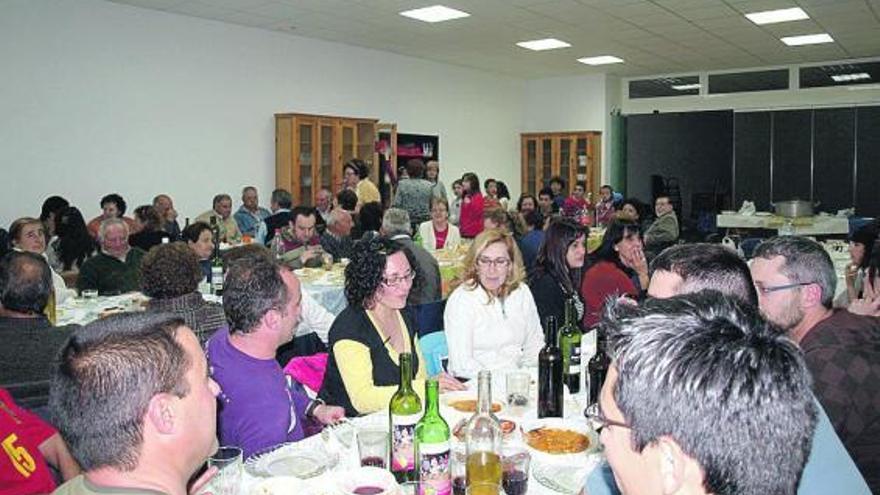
[
  {"x": 550, "y": 374},
  {"x": 598, "y": 368},
  {"x": 570, "y": 345},
  {"x": 216, "y": 264}
]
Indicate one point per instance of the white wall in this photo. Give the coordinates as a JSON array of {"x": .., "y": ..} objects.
[{"x": 98, "y": 97}]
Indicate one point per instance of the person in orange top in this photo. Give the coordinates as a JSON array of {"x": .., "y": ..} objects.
[{"x": 112, "y": 206}]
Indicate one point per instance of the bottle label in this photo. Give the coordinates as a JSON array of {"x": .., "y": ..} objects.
[
  {"x": 434, "y": 474},
  {"x": 403, "y": 429},
  {"x": 574, "y": 360}
]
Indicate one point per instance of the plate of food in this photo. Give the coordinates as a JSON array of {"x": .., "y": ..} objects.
[
  {"x": 466, "y": 402},
  {"x": 560, "y": 441},
  {"x": 292, "y": 459},
  {"x": 508, "y": 428}
]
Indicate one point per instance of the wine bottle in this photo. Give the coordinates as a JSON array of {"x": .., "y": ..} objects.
[
  {"x": 483, "y": 437},
  {"x": 404, "y": 411},
  {"x": 216, "y": 268},
  {"x": 550, "y": 374},
  {"x": 432, "y": 446},
  {"x": 277, "y": 250},
  {"x": 598, "y": 368},
  {"x": 570, "y": 345}
]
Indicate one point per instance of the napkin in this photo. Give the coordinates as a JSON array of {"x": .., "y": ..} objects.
[{"x": 747, "y": 208}]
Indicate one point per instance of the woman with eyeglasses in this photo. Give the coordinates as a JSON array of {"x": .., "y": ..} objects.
[
  {"x": 367, "y": 338},
  {"x": 618, "y": 269},
  {"x": 491, "y": 320},
  {"x": 438, "y": 233},
  {"x": 558, "y": 269}
]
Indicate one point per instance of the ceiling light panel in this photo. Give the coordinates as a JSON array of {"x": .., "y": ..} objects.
[
  {"x": 776, "y": 16},
  {"x": 859, "y": 76},
  {"x": 434, "y": 13},
  {"x": 544, "y": 44},
  {"x": 807, "y": 39},
  {"x": 601, "y": 60},
  {"x": 685, "y": 87}
]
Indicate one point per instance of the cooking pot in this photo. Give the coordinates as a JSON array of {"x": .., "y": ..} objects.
[{"x": 794, "y": 208}]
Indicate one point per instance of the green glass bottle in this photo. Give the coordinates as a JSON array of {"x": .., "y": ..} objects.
[
  {"x": 217, "y": 269},
  {"x": 432, "y": 446},
  {"x": 404, "y": 412},
  {"x": 570, "y": 343}
]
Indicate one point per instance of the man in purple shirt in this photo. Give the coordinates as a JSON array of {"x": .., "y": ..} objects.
[{"x": 260, "y": 406}]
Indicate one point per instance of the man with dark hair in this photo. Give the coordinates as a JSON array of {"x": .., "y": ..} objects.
[
  {"x": 300, "y": 243},
  {"x": 531, "y": 241},
  {"x": 116, "y": 268},
  {"x": 221, "y": 212},
  {"x": 29, "y": 342},
  {"x": 280, "y": 204},
  {"x": 250, "y": 213},
  {"x": 664, "y": 230},
  {"x": 690, "y": 268},
  {"x": 261, "y": 406},
  {"x": 546, "y": 204},
  {"x": 112, "y": 206},
  {"x": 687, "y": 268},
  {"x": 133, "y": 398},
  {"x": 795, "y": 280},
  {"x": 396, "y": 226},
  {"x": 557, "y": 188},
  {"x": 703, "y": 396}
]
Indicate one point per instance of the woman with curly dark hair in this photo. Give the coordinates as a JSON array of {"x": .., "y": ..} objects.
[
  {"x": 558, "y": 268},
  {"x": 367, "y": 338},
  {"x": 148, "y": 228},
  {"x": 74, "y": 244},
  {"x": 170, "y": 276}
]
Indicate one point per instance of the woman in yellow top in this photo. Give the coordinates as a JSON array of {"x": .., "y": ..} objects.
[
  {"x": 367, "y": 338},
  {"x": 356, "y": 176}
]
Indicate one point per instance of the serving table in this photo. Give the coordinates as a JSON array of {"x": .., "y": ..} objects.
[{"x": 815, "y": 225}]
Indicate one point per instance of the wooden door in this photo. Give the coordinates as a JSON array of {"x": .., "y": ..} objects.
[
  {"x": 306, "y": 152},
  {"x": 529, "y": 172},
  {"x": 284, "y": 153},
  {"x": 327, "y": 174}
]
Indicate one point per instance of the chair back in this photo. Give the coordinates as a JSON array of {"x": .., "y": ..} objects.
[
  {"x": 429, "y": 317},
  {"x": 435, "y": 352}
]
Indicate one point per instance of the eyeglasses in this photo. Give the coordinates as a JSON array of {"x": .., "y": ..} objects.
[
  {"x": 775, "y": 288},
  {"x": 600, "y": 422},
  {"x": 406, "y": 278},
  {"x": 497, "y": 262}
]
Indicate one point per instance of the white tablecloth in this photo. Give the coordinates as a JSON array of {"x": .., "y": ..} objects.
[{"x": 821, "y": 224}]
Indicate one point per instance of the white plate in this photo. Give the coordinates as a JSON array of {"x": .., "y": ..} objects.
[
  {"x": 579, "y": 426},
  {"x": 279, "y": 485},
  {"x": 350, "y": 480},
  {"x": 729, "y": 212},
  {"x": 449, "y": 398},
  {"x": 563, "y": 479},
  {"x": 763, "y": 214},
  {"x": 292, "y": 459}
]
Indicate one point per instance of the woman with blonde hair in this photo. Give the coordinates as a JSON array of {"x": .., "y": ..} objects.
[{"x": 491, "y": 320}]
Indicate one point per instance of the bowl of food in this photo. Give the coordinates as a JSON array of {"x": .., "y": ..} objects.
[{"x": 560, "y": 441}]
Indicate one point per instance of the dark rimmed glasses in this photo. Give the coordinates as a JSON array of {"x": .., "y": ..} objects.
[
  {"x": 776, "y": 288},
  {"x": 600, "y": 422}
]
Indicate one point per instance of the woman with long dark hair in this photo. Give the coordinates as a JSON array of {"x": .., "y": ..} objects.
[
  {"x": 471, "y": 216},
  {"x": 74, "y": 244},
  {"x": 618, "y": 269},
  {"x": 559, "y": 269}
]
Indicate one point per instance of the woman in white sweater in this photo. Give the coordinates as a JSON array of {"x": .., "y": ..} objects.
[
  {"x": 438, "y": 233},
  {"x": 491, "y": 320}
]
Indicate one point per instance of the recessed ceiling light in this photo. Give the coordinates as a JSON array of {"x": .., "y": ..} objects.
[
  {"x": 601, "y": 60},
  {"x": 434, "y": 13},
  {"x": 774, "y": 16},
  {"x": 685, "y": 87},
  {"x": 858, "y": 76},
  {"x": 807, "y": 39},
  {"x": 544, "y": 44}
]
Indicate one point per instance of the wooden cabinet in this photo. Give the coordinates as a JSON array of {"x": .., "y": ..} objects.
[
  {"x": 310, "y": 151},
  {"x": 574, "y": 156}
]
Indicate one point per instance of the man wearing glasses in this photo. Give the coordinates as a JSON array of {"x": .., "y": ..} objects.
[
  {"x": 795, "y": 280},
  {"x": 703, "y": 396}
]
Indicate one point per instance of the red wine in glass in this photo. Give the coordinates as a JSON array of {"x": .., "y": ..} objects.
[
  {"x": 514, "y": 482},
  {"x": 374, "y": 461},
  {"x": 459, "y": 485}
]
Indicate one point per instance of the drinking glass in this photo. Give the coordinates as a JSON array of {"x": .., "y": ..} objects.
[
  {"x": 518, "y": 383},
  {"x": 515, "y": 463},
  {"x": 409, "y": 488},
  {"x": 373, "y": 447},
  {"x": 229, "y": 463},
  {"x": 89, "y": 294},
  {"x": 458, "y": 469},
  {"x": 327, "y": 260}
]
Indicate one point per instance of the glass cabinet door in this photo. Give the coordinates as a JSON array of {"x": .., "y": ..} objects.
[
  {"x": 306, "y": 161},
  {"x": 531, "y": 161},
  {"x": 348, "y": 142},
  {"x": 581, "y": 169},
  {"x": 546, "y": 164},
  {"x": 565, "y": 161},
  {"x": 325, "y": 156}
]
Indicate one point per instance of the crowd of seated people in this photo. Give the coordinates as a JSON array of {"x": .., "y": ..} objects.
[{"x": 210, "y": 366}]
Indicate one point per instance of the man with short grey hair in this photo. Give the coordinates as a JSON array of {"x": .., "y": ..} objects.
[
  {"x": 336, "y": 240},
  {"x": 397, "y": 227},
  {"x": 795, "y": 280},
  {"x": 116, "y": 269},
  {"x": 703, "y": 396},
  {"x": 164, "y": 206},
  {"x": 250, "y": 213}
]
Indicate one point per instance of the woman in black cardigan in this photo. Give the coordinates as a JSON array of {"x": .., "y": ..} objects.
[{"x": 556, "y": 276}]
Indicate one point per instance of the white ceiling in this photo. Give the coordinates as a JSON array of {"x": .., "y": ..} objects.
[{"x": 653, "y": 36}]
